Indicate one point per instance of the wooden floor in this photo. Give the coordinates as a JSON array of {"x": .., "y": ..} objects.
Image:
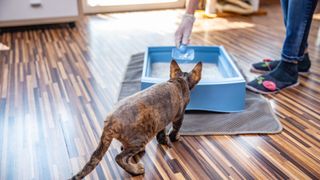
[{"x": 57, "y": 84}]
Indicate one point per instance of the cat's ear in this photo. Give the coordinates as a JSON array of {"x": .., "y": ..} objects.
[
  {"x": 174, "y": 69},
  {"x": 195, "y": 75}
]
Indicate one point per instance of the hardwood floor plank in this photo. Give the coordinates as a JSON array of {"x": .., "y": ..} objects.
[{"x": 57, "y": 85}]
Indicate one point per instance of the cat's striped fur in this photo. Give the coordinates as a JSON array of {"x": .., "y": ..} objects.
[{"x": 137, "y": 119}]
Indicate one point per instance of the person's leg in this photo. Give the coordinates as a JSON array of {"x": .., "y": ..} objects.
[
  {"x": 299, "y": 18},
  {"x": 284, "y": 7},
  {"x": 298, "y": 22},
  {"x": 270, "y": 64}
]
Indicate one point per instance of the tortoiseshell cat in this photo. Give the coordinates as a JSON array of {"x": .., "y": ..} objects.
[{"x": 138, "y": 118}]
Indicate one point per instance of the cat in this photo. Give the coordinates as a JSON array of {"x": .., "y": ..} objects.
[{"x": 137, "y": 119}]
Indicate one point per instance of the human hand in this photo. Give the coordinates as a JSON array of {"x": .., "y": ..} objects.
[{"x": 184, "y": 30}]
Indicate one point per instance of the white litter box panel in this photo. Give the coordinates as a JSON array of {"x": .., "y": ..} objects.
[{"x": 17, "y": 10}]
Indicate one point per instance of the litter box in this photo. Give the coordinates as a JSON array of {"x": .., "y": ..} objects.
[{"x": 222, "y": 87}]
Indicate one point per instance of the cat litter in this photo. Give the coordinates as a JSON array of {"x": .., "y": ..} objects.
[{"x": 210, "y": 71}]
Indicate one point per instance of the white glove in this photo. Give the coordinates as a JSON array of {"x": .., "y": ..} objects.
[{"x": 184, "y": 30}]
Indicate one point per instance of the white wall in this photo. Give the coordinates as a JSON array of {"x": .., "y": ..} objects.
[{"x": 22, "y": 10}]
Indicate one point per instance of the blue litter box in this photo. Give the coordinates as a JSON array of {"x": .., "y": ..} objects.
[{"x": 222, "y": 87}]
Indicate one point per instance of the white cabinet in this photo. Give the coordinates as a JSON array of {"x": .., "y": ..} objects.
[{"x": 30, "y": 12}]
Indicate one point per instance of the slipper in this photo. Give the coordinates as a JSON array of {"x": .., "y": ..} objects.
[
  {"x": 268, "y": 65},
  {"x": 266, "y": 84}
]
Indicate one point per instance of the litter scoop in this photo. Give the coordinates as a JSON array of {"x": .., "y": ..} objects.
[{"x": 183, "y": 53}]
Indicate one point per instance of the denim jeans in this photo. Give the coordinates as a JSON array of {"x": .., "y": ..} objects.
[{"x": 297, "y": 16}]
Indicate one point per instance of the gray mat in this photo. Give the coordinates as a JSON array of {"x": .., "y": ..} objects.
[{"x": 258, "y": 117}]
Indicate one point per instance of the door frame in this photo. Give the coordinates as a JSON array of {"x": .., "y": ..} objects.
[{"x": 134, "y": 7}]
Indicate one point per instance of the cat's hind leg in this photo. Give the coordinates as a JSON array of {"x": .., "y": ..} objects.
[
  {"x": 124, "y": 160},
  {"x": 138, "y": 156}
]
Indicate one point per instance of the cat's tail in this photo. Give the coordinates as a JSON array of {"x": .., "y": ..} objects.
[{"x": 105, "y": 141}]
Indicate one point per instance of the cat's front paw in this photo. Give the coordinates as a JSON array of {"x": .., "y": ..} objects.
[
  {"x": 162, "y": 140},
  {"x": 174, "y": 136}
]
